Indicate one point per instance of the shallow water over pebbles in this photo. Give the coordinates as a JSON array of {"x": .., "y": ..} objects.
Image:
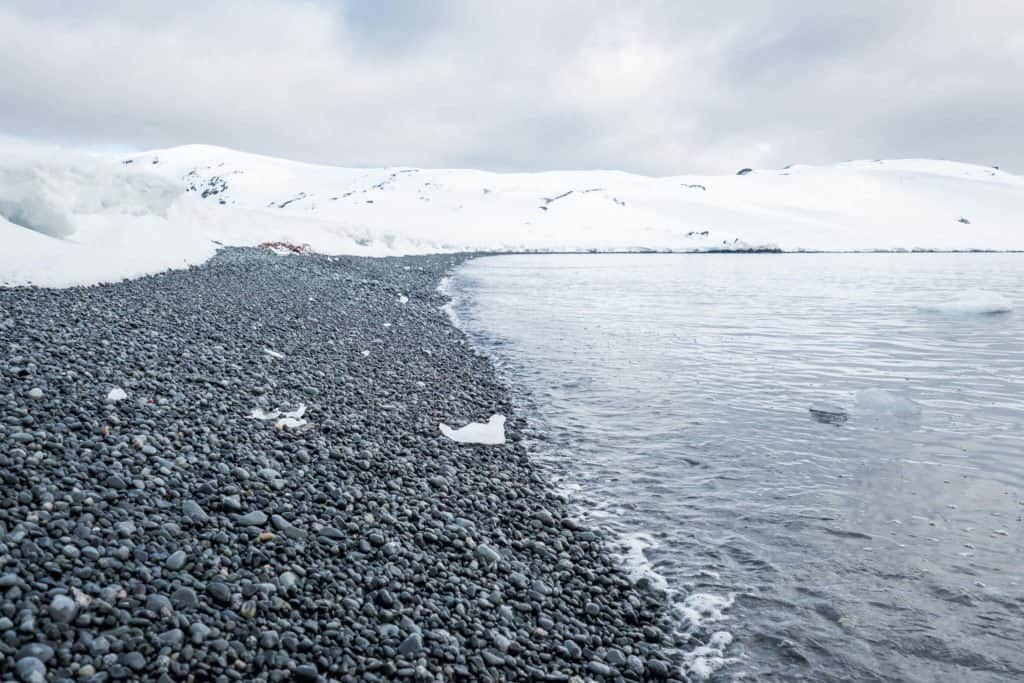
[{"x": 877, "y": 538}]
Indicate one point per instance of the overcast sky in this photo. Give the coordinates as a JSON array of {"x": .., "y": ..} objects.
[{"x": 650, "y": 87}]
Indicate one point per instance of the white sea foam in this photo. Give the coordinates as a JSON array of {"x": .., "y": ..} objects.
[
  {"x": 704, "y": 660},
  {"x": 447, "y": 288},
  {"x": 698, "y": 611},
  {"x": 633, "y": 555}
]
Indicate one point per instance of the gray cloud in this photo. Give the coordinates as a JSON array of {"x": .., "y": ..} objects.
[{"x": 652, "y": 87}]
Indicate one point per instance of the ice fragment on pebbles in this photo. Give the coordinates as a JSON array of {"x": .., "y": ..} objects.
[
  {"x": 116, "y": 394},
  {"x": 285, "y": 419},
  {"x": 403, "y": 299},
  {"x": 271, "y": 353},
  {"x": 491, "y": 433},
  {"x": 35, "y": 393}
]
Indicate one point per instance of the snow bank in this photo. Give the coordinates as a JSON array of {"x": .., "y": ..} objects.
[
  {"x": 490, "y": 434},
  {"x": 68, "y": 218},
  {"x": 973, "y": 301}
]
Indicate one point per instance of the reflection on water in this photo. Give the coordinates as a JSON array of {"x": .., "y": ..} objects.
[{"x": 877, "y": 538}]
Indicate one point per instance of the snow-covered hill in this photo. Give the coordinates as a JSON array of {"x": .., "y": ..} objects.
[{"x": 68, "y": 218}]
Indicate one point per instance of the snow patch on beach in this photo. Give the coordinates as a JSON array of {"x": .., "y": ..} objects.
[{"x": 491, "y": 433}]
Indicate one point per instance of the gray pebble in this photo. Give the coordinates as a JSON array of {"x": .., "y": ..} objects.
[
  {"x": 193, "y": 511},
  {"x": 411, "y": 646},
  {"x": 31, "y": 670},
  {"x": 63, "y": 609},
  {"x": 176, "y": 560},
  {"x": 254, "y": 518}
]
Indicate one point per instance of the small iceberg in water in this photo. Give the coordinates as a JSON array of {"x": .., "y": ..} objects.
[
  {"x": 880, "y": 402},
  {"x": 491, "y": 433},
  {"x": 972, "y": 302}
]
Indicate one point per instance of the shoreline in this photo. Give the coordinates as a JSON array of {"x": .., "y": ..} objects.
[{"x": 170, "y": 534}]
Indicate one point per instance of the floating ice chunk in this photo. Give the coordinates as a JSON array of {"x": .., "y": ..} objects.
[
  {"x": 828, "y": 413},
  {"x": 116, "y": 394},
  {"x": 491, "y": 434},
  {"x": 882, "y": 402},
  {"x": 972, "y": 301},
  {"x": 271, "y": 353}
]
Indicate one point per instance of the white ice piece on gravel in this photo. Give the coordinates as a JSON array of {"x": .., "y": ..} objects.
[
  {"x": 285, "y": 419},
  {"x": 491, "y": 433},
  {"x": 116, "y": 394},
  {"x": 366, "y": 352},
  {"x": 403, "y": 299},
  {"x": 973, "y": 301},
  {"x": 271, "y": 353}
]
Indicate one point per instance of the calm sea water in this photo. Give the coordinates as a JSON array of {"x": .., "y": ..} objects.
[{"x": 670, "y": 397}]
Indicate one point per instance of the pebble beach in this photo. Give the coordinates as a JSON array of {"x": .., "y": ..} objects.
[{"x": 235, "y": 472}]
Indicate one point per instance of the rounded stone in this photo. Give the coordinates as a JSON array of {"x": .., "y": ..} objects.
[
  {"x": 31, "y": 670},
  {"x": 63, "y": 609}
]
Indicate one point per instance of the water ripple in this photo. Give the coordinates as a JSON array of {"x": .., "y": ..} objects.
[{"x": 670, "y": 398}]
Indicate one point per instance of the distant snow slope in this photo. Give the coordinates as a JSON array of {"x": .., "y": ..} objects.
[{"x": 68, "y": 218}]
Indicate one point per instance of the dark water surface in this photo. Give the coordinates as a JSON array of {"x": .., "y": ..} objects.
[{"x": 881, "y": 540}]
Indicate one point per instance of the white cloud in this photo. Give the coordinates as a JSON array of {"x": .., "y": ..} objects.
[{"x": 655, "y": 87}]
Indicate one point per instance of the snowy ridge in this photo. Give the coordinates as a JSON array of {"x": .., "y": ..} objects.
[{"x": 68, "y": 218}]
